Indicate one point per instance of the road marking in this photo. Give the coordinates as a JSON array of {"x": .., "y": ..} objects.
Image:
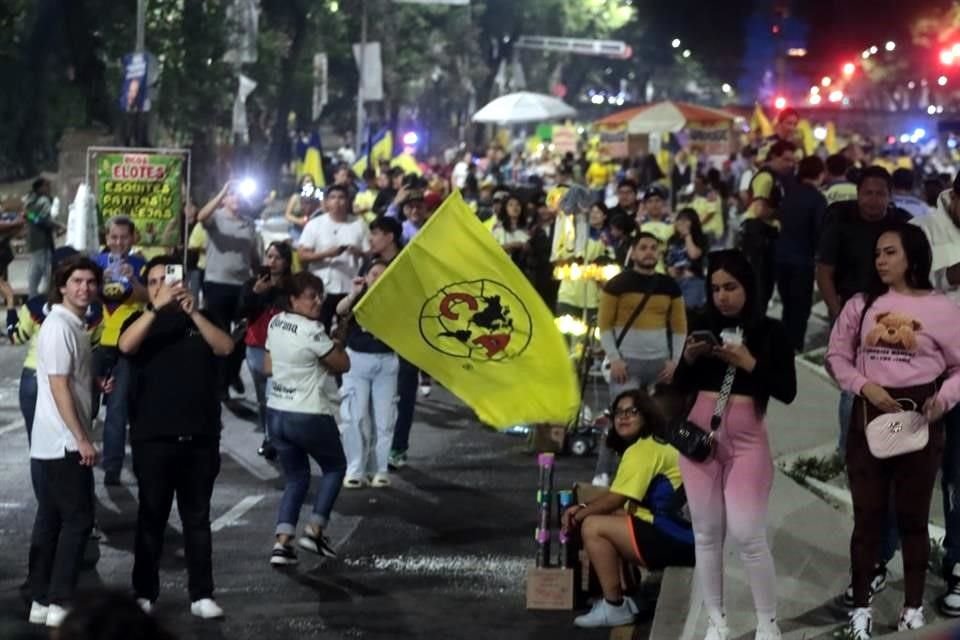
[
  {"x": 232, "y": 517},
  {"x": 10, "y": 428}
]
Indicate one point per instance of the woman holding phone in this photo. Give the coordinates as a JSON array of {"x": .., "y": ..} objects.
[
  {"x": 261, "y": 299},
  {"x": 740, "y": 353}
]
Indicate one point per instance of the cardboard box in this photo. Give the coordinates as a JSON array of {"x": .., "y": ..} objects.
[
  {"x": 629, "y": 632},
  {"x": 550, "y": 588},
  {"x": 547, "y": 438}
]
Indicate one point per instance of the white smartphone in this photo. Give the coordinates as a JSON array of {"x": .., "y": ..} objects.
[{"x": 173, "y": 274}]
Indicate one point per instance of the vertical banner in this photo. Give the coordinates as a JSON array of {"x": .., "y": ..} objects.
[
  {"x": 134, "y": 93},
  {"x": 146, "y": 187},
  {"x": 372, "y": 73},
  {"x": 320, "y": 96}
]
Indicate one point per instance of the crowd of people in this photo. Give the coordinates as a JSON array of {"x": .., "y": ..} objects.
[{"x": 699, "y": 262}]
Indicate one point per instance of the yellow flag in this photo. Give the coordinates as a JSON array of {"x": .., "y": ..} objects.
[
  {"x": 408, "y": 163},
  {"x": 831, "y": 141},
  {"x": 454, "y": 304},
  {"x": 760, "y": 122},
  {"x": 806, "y": 134},
  {"x": 313, "y": 165}
]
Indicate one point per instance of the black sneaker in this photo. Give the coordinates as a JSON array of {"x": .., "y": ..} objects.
[
  {"x": 319, "y": 545},
  {"x": 283, "y": 555},
  {"x": 877, "y": 584},
  {"x": 949, "y": 602},
  {"x": 267, "y": 451}
]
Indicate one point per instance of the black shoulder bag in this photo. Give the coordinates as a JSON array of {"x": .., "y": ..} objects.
[
  {"x": 692, "y": 441},
  {"x": 605, "y": 366}
]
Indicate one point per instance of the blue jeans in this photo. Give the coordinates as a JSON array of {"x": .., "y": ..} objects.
[
  {"x": 694, "y": 291},
  {"x": 28, "y": 398},
  {"x": 297, "y": 438},
  {"x": 115, "y": 424},
  {"x": 41, "y": 262},
  {"x": 890, "y": 539},
  {"x": 950, "y": 483},
  {"x": 408, "y": 380},
  {"x": 255, "y": 359}
]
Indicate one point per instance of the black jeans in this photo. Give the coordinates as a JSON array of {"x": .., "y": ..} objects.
[
  {"x": 758, "y": 243},
  {"x": 188, "y": 469},
  {"x": 222, "y": 302},
  {"x": 408, "y": 380},
  {"x": 64, "y": 491},
  {"x": 795, "y": 284}
]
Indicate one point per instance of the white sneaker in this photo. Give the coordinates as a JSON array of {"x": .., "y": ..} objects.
[
  {"x": 601, "y": 480},
  {"x": 38, "y": 613},
  {"x": 717, "y": 628},
  {"x": 206, "y": 608},
  {"x": 911, "y": 618},
  {"x": 145, "y": 605},
  {"x": 380, "y": 481},
  {"x": 768, "y": 630},
  {"x": 860, "y": 626},
  {"x": 604, "y": 614},
  {"x": 425, "y": 390},
  {"x": 55, "y": 615}
]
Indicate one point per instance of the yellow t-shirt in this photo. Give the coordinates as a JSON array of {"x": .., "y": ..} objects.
[
  {"x": 711, "y": 214},
  {"x": 840, "y": 192},
  {"x": 648, "y": 475},
  {"x": 598, "y": 175},
  {"x": 198, "y": 241}
]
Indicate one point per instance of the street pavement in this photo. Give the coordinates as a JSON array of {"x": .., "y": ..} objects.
[{"x": 441, "y": 554}]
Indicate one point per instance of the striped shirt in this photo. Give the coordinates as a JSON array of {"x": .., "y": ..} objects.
[{"x": 658, "y": 332}]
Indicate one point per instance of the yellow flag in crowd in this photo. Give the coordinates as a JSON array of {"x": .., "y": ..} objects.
[
  {"x": 831, "y": 141},
  {"x": 313, "y": 166},
  {"x": 760, "y": 122},
  {"x": 455, "y": 305},
  {"x": 806, "y": 135}
]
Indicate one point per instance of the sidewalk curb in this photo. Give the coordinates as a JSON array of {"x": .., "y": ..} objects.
[{"x": 814, "y": 368}]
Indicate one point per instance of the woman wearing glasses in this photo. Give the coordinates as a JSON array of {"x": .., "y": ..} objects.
[{"x": 639, "y": 519}]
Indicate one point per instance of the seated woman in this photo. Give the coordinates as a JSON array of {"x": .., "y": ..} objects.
[{"x": 639, "y": 519}]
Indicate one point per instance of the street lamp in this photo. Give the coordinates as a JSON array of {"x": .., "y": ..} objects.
[
  {"x": 890, "y": 46},
  {"x": 686, "y": 53},
  {"x": 675, "y": 43}
]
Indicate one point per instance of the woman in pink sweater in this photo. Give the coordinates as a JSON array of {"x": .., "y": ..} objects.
[{"x": 890, "y": 345}]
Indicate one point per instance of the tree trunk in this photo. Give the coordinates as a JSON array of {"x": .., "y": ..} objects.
[
  {"x": 279, "y": 139},
  {"x": 90, "y": 72}
]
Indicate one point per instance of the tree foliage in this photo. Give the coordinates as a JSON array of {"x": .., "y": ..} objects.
[{"x": 60, "y": 67}]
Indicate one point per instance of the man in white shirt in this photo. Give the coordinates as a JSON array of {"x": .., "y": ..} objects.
[
  {"x": 332, "y": 247},
  {"x": 60, "y": 449},
  {"x": 942, "y": 228}
]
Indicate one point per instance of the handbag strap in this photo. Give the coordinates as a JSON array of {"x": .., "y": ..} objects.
[
  {"x": 725, "y": 389},
  {"x": 633, "y": 316}
]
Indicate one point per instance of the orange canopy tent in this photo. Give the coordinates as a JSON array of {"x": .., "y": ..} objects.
[{"x": 664, "y": 117}]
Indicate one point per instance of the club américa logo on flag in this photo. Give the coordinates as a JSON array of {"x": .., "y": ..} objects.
[{"x": 480, "y": 320}]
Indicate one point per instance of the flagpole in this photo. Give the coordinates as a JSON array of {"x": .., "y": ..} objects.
[{"x": 363, "y": 51}]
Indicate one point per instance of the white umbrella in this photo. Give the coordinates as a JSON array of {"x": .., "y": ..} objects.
[{"x": 524, "y": 106}]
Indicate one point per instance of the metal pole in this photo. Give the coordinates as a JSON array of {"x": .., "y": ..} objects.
[
  {"x": 363, "y": 51},
  {"x": 141, "y": 24}
]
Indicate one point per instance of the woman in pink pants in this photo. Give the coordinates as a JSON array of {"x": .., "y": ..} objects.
[{"x": 730, "y": 490}]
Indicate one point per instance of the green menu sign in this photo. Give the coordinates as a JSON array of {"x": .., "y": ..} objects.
[{"x": 146, "y": 187}]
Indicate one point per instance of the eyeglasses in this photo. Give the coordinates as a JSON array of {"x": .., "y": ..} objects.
[{"x": 628, "y": 412}]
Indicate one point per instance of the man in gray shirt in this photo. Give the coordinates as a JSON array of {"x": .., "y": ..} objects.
[{"x": 232, "y": 256}]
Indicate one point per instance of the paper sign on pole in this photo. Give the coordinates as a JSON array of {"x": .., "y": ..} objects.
[
  {"x": 146, "y": 187},
  {"x": 713, "y": 138},
  {"x": 613, "y": 142},
  {"x": 320, "y": 96},
  {"x": 372, "y": 73}
]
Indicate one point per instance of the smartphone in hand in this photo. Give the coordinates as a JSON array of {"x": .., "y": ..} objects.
[
  {"x": 705, "y": 336},
  {"x": 173, "y": 274}
]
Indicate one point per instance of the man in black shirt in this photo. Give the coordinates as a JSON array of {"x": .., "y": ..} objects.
[
  {"x": 801, "y": 220},
  {"x": 627, "y": 203},
  {"x": 174, "y": 431},
  {"x": 846, "y": 251}
]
